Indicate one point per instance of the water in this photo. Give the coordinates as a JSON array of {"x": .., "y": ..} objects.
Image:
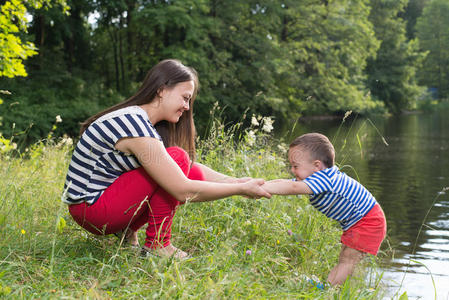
[{"x": 408, "y": 178}]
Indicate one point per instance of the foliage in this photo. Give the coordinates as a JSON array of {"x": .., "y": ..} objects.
[
  {"x": 32, "y": 110},
  {"x": 14, "y": 49},
  {"x": 433, "y": 33},
  {"x": 265, "y": 57},
  {"x": 391, "y": 74},
  {"x": 328, "y": 45},
  {"x": 412, "y": 12}
]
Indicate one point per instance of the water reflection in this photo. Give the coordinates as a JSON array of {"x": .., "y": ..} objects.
[{"x": 408, "y": 178}]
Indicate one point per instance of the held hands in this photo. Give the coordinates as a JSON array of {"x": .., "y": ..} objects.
[{"x": 252, "y": 188}]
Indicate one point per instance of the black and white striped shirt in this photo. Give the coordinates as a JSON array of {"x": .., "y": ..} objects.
[{"x": 96, "y": 163}]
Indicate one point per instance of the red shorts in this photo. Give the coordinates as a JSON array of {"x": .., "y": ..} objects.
[{"x": 367, "y": 234}]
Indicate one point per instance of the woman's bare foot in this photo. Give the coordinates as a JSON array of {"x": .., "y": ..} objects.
[
  {"x": 168, "y": 251},
  {"x": 131, "y": 237}
]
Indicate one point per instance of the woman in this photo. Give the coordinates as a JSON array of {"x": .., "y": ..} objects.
[{"x": 134, "y": 163}]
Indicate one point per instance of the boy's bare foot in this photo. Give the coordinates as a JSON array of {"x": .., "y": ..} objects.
[{"x": 168, "y": 251}]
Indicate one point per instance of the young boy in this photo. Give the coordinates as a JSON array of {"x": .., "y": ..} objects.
[{"x": 336, "y": 195}]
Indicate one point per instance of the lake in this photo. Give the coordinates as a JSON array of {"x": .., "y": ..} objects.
[{"x": 404, "y": 162}]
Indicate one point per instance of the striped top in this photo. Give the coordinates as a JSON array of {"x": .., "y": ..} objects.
[
  {"x": 96, "y": 163},
  {"x": 339, "y": 197}
]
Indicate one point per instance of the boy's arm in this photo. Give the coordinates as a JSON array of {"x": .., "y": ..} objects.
[{"x": 286, "y": 187}]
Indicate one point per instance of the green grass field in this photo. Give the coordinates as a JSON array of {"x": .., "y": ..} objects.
[{"x": 44, "y": 254}]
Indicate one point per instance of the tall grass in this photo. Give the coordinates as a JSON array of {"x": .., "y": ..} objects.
[{"x": 44, "y": 254}]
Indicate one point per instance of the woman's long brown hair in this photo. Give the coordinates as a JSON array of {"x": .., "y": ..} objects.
[{"x": 166, "y": 74}]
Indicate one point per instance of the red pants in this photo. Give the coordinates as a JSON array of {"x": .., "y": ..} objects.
[{"x": 134, "y": 199}]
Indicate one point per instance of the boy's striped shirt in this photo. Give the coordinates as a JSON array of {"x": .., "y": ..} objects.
[
  {"x": 95, "y": 163},
  {"x": 339, "y": 197}
]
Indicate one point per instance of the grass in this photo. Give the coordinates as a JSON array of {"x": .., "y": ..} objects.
[{"x": 44, "y": 254}]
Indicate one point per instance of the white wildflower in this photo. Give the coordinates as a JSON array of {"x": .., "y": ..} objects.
[
  {"x": 66, "y": 140},
  {"x": 267, "y": 124},
  {"x": 282, "y": 147},
  {"x": 58, "y": 119},
  {"x": 251, "y": 137},
  {"x": 254, "y": 121}
]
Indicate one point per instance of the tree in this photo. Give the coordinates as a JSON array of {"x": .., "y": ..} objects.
[
  {"x": 412, "y": 12},
  {"x": 433, "y": 33},
  {"x": 328, "y": 43},
  {"x": 14, "y": 49},
  {"x": 392, "y": 73}
]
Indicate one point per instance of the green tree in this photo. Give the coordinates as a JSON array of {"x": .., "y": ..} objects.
[
  {"x": 327, "y": 44},
  {"x": 13, "y": 48},
  {"x": 392, "y": 73},
  {"x": 412, "y": 12},
  {"x": 433, "y": 33}
]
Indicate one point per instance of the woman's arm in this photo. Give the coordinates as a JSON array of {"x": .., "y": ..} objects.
[
  {"x": 286, "y": 187},
  {"x": 163, "y": 169},
  {"x": 214, "y": 176}
]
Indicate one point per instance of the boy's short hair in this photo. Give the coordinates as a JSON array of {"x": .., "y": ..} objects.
[{"x": 319, "y": 147}]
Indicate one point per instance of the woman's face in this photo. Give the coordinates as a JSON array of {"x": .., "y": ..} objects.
[{"x": 176, "y": 100}]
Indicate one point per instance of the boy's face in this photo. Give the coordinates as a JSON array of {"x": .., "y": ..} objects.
[{"x": 302, "y": 165}]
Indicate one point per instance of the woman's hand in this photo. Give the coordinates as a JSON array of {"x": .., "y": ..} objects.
[{"x": 252, "y": 188}]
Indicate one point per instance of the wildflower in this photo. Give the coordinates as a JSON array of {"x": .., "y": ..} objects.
[
  {"x": 267, "y": 124},
  {"x": 251, "y": 137},
  {"x": 278, "y": 242},
  {"x": 66, "y": 140},
  {"x": 6, "y": 92},
  {"x": 282, "y": 148},
  {"x": 347, "y": 114},
  {"x": 254, "y": 121},
  {"x": 58, "y": 119},
  {"x": 23, "y": 231},
  {"x": 248, "y": 252},
  {"x": 289, "y": 232}
]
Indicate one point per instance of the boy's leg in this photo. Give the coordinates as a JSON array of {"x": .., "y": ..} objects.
[{"x": 347, "y": 261}]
